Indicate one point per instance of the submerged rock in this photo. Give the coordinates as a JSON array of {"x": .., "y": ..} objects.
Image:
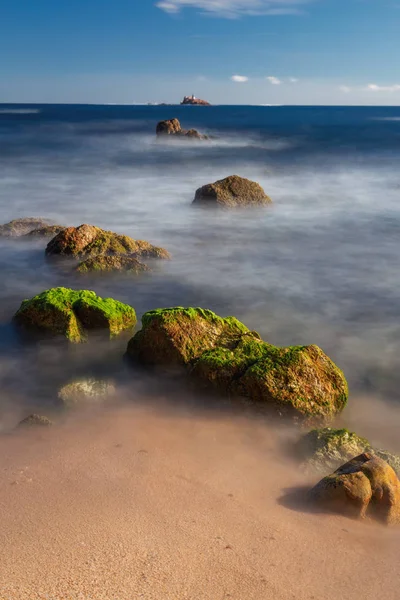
[
  {"x": 231, "y": 192},
  {"x": 89, "y": 241},
  {"x": 300, "y": 381},
  {"x": 72, "y": 313},
  {"x": 366, "y": 485},
  {"x": 112, "y": 263},
  {"x": 34, "y": 420},
  {"x": 20, "y": 227},
  {"x": 85, "y": 391},
  {"x": 325, "y": 449},
  {"x": 47, "y": 231},
  {"x": 172, "y": 127}
]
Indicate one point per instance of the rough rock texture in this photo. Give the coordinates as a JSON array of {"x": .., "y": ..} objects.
[
  {"x": 111, "y": 264},
  {"x": 47, "y": 231},
  {"x": 232, "y": 191},
  {"x": 172, "y": 127},
  {"x": 364, "y": 485},
  {"x": 300, "y": 381},
  {"x": 72, "y": 313},
  {"x": 89, "y": 241},
  {"x": 194, "y": 101},
  {"x": 325, "y": 449},
  {"x": 20, "y": 227},
  {"x": 85, "y": 391},
  {"x": 34, "y": 420}
]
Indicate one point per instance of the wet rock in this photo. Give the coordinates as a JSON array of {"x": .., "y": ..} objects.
[
  {"x": 106, "y": 264},
  {"x": 85, "y": 391},
  {"x": 44, "y": 232},
  {"x": 20, "y": 227},
  {"x": 300, "y": 381},
  {"x": 322, "y": 450},
  {"x": 366, "y": 485},
  {"x": 231, "y": 192},
  {"x": 90, "y": 241},
  {"x": 73, "y": 313},
  {"x": 35, "y": 420},
  {"x": 172, "y": 127}
]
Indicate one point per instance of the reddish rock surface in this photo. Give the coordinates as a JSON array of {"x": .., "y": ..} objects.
[{"x": 195, "y": 101}]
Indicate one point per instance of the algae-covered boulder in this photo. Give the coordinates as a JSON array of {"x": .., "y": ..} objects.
[
  {"x": 107, "y": 264},
  {"x": 325, "y": 449},
  {"x": 45, "y": 232},
  {"x": 35, "y": 420},
  {"x": 366, "y": 485},
  {"x": 230, "y": 192},
  {"x": 72, "y": 313},
  {"x": 300, "y": 381},
  {"x": 90, "y": 241},
  {"x": 19, "y": 227},
  {"x": 85, "y": 391}
]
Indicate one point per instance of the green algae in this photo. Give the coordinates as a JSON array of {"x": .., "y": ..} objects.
[
  {"x": 107, "y": 264},
  {"x": 72, "y": 312}
]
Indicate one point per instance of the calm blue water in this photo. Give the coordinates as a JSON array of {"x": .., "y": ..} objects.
[{"x": 319, "y": 266}]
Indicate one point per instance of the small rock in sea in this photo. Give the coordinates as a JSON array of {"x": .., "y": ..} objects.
[
  {"x": 34, "y": 420},
  {"x": 325, "y": 449},
  {"x": 47, "y": 231},
  {"x": 73, "y": 313},
  {"x": 85, "y": 391},
  {"x": 89, "y": 241},
  {"x": 222, "y": 353},
  {"x": 172, "y": 127},
  {"x": 231, "y": 192},
  {"x": 106, "y": 264},
  {"x": 192, "y": 100},
  {"x": 20, "y": 227},
  {"x": 364, "y": 486}
]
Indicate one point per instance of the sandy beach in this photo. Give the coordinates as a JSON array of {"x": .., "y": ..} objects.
[{"x": 156, "y": 504}]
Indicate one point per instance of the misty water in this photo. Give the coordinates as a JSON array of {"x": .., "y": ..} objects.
[{"x": 321, "y": 265}]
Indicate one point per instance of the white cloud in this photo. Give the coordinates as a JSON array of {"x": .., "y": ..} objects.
[
  {"x": 345, "y": 89},
  {"x": 372, "y": 87},
  {"x": 293, "y": 79},
  {"x": 274, "y": 80},
  {"x": 239, "y": 78},
  {"x": 235, "y": 8}
]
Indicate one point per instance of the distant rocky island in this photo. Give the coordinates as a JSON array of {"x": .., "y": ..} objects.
[{"x": 193, "y": 100}]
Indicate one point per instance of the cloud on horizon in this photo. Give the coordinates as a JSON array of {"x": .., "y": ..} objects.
[
  {"x": 373, "y": 87},
  {"x": 235, "y": 8},
  {"x": 274, "y": 80},
  {"x": 239, "y": 78}
]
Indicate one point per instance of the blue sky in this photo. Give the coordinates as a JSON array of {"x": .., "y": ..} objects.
[{"x": 227, "y": 51}]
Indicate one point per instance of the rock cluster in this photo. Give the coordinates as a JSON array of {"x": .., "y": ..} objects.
[
  {"x": 194, "y": 101},
  {"x": 231, "y": 192},
  {"x": 173, "y": 128},
  {"x": 298, "y": 381},
  {"x": 20, "y": 227}
]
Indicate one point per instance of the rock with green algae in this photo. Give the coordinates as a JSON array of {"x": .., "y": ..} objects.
[
  {"x": 90, "y": 241},
  {"x": 35, "y": 420},
  {"x": 85, "y": 391},
  {"x": 72, "y": 313},
  {"x": 107, "y": 264},
  {"x": 364, "y": 486},
  {"x": 325, "y": 449},
  {"x": 20, "y": 227},
  {"x": 231, "y": 192},
  {"x": 300, "y": 381}
]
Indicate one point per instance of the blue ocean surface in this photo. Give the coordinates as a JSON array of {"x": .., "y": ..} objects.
[{"x": 321, "y": 265}]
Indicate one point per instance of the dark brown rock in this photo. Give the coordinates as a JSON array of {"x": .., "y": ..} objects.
[
  {"x": 20, "y": 227},
  {"x": 48, "y": 231},
  {"x": 173, "y": 128},
  {"x": 231, "y": 192}
]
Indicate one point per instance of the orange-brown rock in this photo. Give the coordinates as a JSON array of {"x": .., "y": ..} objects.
[{"x": 172, "y": 127}]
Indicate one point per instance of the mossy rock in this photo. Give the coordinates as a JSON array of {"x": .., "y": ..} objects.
[
  {"x": 85, "y": 391},
  {"x": 231, "y": 192},
  {"x": 19, "y": 227},
  {"x": 114, "y": 263},
  {"x": 90, "y": 241},
  {"x": 35, "y": 420},
  {"x": 72, "y": 313},
  {"x": 45, "y": 232},
  {"x": 325, "y": 449},
  {"x": 300, "y": 381}
]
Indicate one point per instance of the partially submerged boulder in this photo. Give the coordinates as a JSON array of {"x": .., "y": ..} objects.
[
  {"x": 112, "y": 263},
  {"x": 366, "y": 485},
  {"x": 172, "y": 127},
  {"x": 35, "y": 420},
  {"x": 44, "y": 232},
  {"x": 72, "y": 313},
  {"x": 19, "y": 227},
  {"x": 231, "y": 192},
  {"x": 325, "y": 449},
  {"x": 89, "y": 241},
  {"x": 224, "y": 354},
  {"x": 85, "y": 391}
]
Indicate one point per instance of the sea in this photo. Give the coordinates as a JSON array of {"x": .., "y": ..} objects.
[{"x": 321, "y": 265}]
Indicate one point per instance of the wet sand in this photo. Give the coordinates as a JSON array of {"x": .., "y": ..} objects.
[{"x": 137, "y": 503}]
